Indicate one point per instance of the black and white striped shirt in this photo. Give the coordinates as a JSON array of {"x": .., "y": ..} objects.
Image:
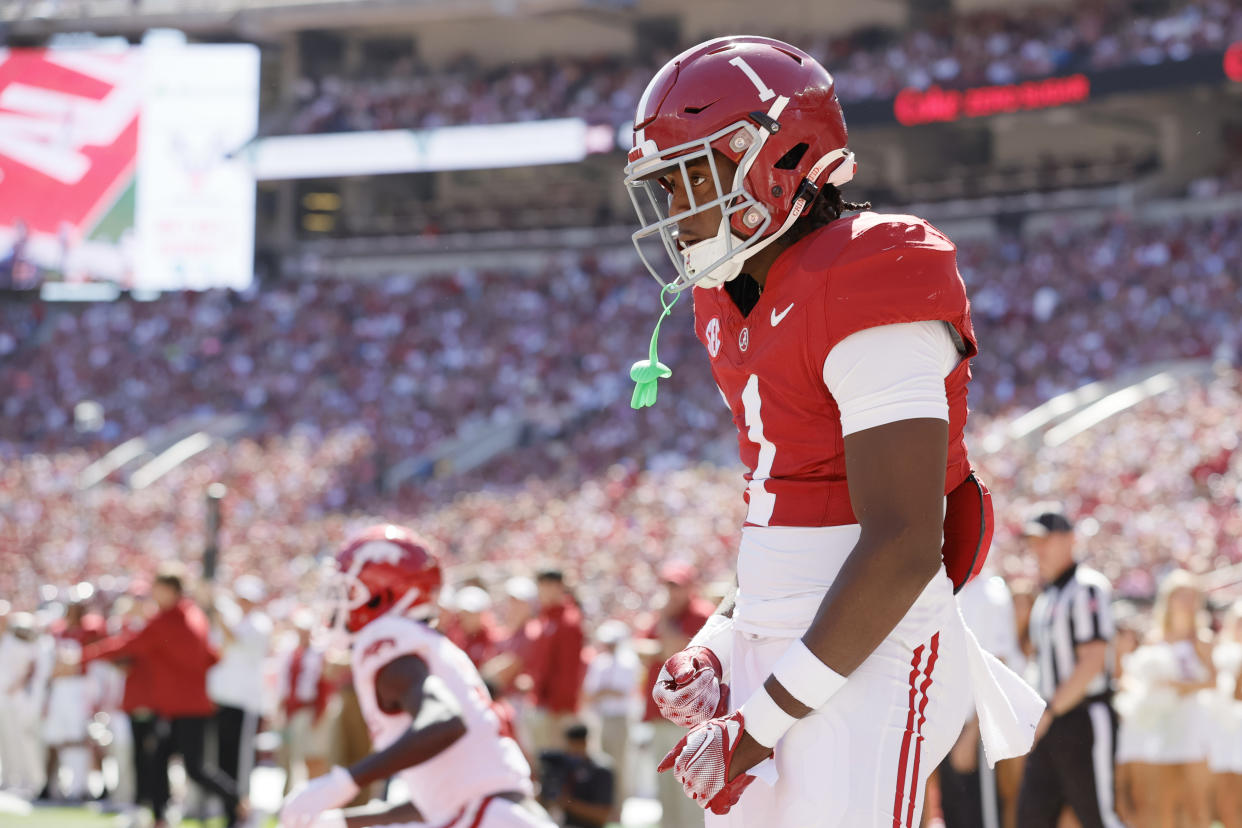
[{"x": 1074, "y": 609}]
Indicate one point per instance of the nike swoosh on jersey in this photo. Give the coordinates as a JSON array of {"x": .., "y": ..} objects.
[{"x": 777, "y": 317}]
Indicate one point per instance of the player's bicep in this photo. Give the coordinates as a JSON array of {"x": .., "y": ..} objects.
[
  {"x": 888, "y": 383},
  {"x": 896, "y": 480}
]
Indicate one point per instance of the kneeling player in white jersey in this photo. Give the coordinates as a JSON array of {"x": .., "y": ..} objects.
[
  {"x": 841, "y": 345},
  {"x": 431, "y": 719}
]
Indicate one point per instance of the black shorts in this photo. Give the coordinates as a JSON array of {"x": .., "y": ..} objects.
[{"x": 1072, "y": 765}]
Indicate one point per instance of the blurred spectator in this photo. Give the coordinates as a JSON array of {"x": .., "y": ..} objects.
[
  {"x": 235, "y": 683},
  {"x": 609, "y": 692},
  {"x": 972, "y": 48},
  {"x": 110, "y": 679},
  {"x": 305, "y": 693},
  {"x": 1225, "y": 758},
  {"x": 351, "y": 740},
  {"x": 516, "y": 633},
  {"x": 682, "y": 615},
  {"x": 25, "y": 663},
  {"x": 174, "y": 655},
  {"x": 1167, "y": 714},
  {"x": 577, "y": 787},
  {"x": 472, "y": 627},
  {"x": 71, "y": 702},
  {"x": 506, "y": 672},
  {"x": 555, "y": 665}
]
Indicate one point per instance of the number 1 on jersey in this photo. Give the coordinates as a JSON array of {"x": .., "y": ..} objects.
[{"x": 762, "y": 502}]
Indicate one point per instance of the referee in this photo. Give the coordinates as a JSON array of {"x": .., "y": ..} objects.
[{"x": 1072, "y": 631}]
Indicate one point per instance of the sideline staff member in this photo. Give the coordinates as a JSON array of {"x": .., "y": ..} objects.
[{"x": 1072, "y": 630}]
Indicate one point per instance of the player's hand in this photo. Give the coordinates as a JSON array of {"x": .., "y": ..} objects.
[
  {"x": 304, "y": 806},
  {"x": 690, "y": 689},
  {"x": 702, "y": 761}
]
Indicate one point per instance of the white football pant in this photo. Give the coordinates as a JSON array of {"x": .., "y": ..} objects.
[{"x": 862, "y": 760}]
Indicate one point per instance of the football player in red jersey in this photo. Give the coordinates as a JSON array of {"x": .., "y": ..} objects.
[
  {"x": 431, "y": 718},
  {"x": 842, "y": 672}
]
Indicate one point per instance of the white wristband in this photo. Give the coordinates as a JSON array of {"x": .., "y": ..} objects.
[
  {"x": 807, "y": 679},
  {"x": 764, "y": 719}
]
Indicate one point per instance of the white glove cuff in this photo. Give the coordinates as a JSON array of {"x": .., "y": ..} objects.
[
  {"x": 764, "y": 719},
  {"x": 807, "y": 679},
  {"x": 717, "y": 636}
]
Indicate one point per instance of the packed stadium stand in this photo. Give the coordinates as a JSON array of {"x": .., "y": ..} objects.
[{"x": 448, "y": 345}]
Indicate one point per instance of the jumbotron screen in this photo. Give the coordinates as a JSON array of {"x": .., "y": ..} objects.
[{"x": 116, "y": 167}]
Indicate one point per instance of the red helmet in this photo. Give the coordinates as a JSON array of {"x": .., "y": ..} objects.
[
  {"x": 385, "y": 569},
  {"x": 767, "y": 106}
]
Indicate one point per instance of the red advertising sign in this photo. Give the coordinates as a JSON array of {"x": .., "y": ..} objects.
[
  {"x": 916, "y": 106},
  {"x": 1233, "y": 62},
  {"x": 68, "y": 136}
]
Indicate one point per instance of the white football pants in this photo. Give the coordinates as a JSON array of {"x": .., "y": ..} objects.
[{"x": 862, "y": 760}]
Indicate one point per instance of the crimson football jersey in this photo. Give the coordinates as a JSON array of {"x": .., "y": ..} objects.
[{"x": 858, "y": 272}]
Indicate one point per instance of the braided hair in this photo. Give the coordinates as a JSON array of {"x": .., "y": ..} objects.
[{"x": 827, "y": 206}]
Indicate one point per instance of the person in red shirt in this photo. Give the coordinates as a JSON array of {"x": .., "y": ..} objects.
[
  {"x": 472, "y": 628},
  {"x": 555, "y": 665},
  {"x": 684, "y": 613},
  {"x": 513, "y": 646},
  {"x": 172, "y": 656}
]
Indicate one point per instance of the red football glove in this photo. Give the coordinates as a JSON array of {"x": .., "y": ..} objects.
[
  {"x": 689, "y": 690},
  {"x": 700, "y": 762}
]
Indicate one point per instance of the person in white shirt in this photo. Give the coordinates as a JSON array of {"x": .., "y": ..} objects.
[
  {"x": 609, "y": 692},
  {"x": 25, "y": 664},
  {"x": 1225, "y": 754},
  {"x": 243, "y": 633}
]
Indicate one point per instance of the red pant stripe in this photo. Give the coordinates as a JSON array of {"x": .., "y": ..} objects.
[
  {"x": 918, "y": 742},
  {"x": 905, "y": 742}
]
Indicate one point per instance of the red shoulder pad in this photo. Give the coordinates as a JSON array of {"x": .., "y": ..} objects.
[{"x": 890, "y": 269}]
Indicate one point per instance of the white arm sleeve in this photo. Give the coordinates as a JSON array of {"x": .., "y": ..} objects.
[{"x": 889, "y": 373}]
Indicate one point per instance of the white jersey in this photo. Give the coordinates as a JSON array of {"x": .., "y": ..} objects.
[{"x": 480, "y": 763}]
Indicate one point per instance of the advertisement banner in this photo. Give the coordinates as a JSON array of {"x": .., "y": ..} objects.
[
  {"x": 195, "y": 205},
  {"x": 111, "y": 158}
]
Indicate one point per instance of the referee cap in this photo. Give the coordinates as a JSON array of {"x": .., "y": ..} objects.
[{"x": 1047, "y": 522}]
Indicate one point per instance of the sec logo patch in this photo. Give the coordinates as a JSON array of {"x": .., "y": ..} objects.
[
  {"x": 712, "y": 335},
  {"x": 743, "y": 339}
]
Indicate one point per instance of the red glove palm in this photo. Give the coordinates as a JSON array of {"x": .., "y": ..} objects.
[
  {"x": 689, "y": 689},
  {"x": 700, "y": 762}
]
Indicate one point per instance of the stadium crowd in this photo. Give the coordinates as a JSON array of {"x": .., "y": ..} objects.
[
  {"x": 67, "y": 712},
  {"x": 988, "y": 47},
  {"x": 593, "y": 476},
  {"x": 413, "y": 362},
  {"x": 342, "y": 380}
]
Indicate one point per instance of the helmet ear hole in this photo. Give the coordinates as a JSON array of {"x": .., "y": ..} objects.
[
  {"x": 376, "y": 601},
  {"x": 790, "y": 159}
]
